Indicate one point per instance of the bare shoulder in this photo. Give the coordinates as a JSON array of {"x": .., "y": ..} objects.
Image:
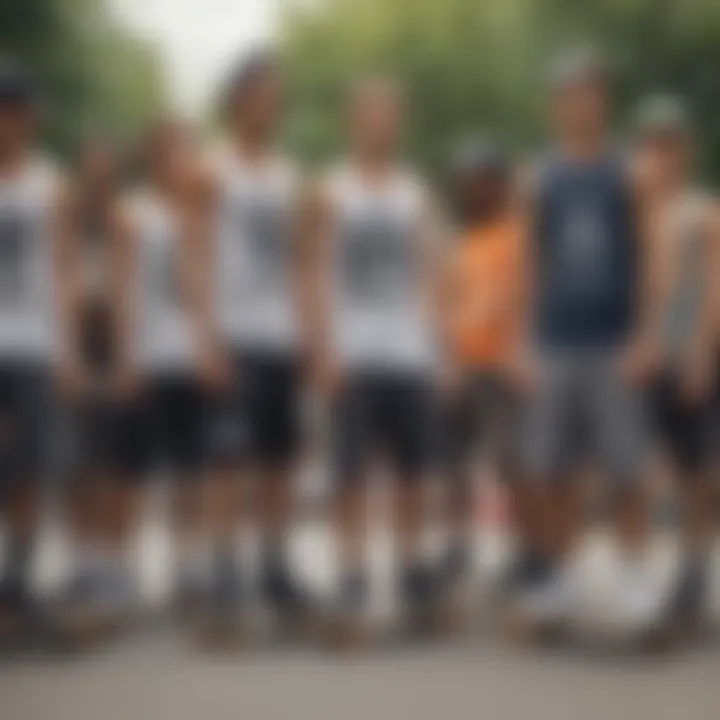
[
  {"x": 709, "y": 208},
  {"x": 127, "y": 208},
  {"x": 51, "y": 179}
]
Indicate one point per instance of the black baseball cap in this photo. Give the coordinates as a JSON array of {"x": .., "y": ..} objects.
[
  {"x": 17, "y": 87},
  {"x": 479, "y": 156},
  {"x": 250, "y": 68}
]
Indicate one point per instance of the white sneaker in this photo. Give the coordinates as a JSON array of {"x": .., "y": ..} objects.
[
  {"x": 553, "y": 601},
  {"x": 640, "y": 600}
]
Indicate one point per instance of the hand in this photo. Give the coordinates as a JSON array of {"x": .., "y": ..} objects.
[
  {"x": 70, "y": 379},
  {"x": 522, "y": 372},
  {"x": 214, "y": 370},
  {"x": 696, "y": 379},
  {"x": 328, "y": 378},
  {"x": 638, "y": 363},
  {"x": 126, "y": 384},
  {"x": 450, "y": 381}
]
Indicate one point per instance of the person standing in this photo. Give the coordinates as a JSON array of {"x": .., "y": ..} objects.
[
  {"x": 683, "y": 224},
  {"x": 157, "y": 380},
  {"x": 254, "y": 364},
  {"x": 592, "y": 307},
  {"x": 375, "y": 354},
  {"x": 89, "y": 493},
  {"x": 38, "y": 317},
  {"x": 482, "y": 298}
]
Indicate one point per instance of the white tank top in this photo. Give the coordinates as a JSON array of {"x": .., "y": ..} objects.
[
  {"x": 161, "y": 322},
  {"x": 379, "y": 313},
  {"x": 257, "y": 211},
  {"x": 27, "y": 287}
]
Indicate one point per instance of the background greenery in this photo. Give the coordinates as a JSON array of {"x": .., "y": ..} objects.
[
  {"x": 477, "y": 65},
  {"x": 96, "y": 75},
  {"x": 469, "y": 65}
]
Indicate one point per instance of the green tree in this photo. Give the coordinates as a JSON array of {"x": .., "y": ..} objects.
[
  {"x": 471, "y": 66},
  {"x": 94, "y": 73}
]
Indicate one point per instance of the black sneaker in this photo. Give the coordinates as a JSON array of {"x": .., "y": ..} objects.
[
  {"x": 419, "y": 594},
  {"x": 18, "y": 611},
  {"x": 223, "y": 620},
  {"x": 685, "y": 611},
  {"x": 296, "y": 609},
  {"x": 74, "y": 614},
  {"x": 189, "y": 595},
  {"x": 452, "y": 592},
  {"x": 349, "y": 629},
  {"x": 281, "y": 591},
  {"x": 526, "y": 569}
]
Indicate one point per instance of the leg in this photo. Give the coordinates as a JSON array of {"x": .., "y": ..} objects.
[
  {"x": 274, "y": 404},
  {"x": 618, "y": 420},
  {"x": 460, "y": 434},
  {"x": 134, "y": 432},
  {"x": 24, "y": 409},
  {"x": 407, "y": 431},
  {"x": 352, "y": 446},
  {"x": 690, "y": 443},
  {"x": 181, "y": 417},
  {"x": 231, "y": 438},
  {"x": 87, "y": 498},
  {"x": 547, "y": 445},
  {"x": 619, "y": 425}
]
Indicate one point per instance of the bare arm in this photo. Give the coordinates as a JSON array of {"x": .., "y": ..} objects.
[
  {"x": 703, "y": 341},
  {"x": 305, "y": 272},
  {"x": 655, "y": 283},
  {"x": 316, "y": 291},
  {"x": 435, "y": 234},
  {"x": 122, "y": 254},
  {"x": 521, "y": 363},
  {"x": 198, "y": 224},
  {"x": 711, "y": 317},
  {"x": 66, "y": 263}
]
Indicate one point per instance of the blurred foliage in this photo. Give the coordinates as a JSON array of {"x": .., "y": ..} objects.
[
  {"x": 478, "y": 65},
  {"x": 95, "y": 74}
]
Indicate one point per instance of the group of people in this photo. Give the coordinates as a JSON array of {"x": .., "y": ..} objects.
[{"x": 553, "y": 317}]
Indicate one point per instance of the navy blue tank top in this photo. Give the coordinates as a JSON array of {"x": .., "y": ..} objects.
[{"x": 585, "y": 245}]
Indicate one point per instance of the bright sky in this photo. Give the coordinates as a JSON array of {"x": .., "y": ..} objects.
[{"x": 199, "y": 39}]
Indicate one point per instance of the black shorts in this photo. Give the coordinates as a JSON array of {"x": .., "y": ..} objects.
[
  {"x": 162, "y": 427},
  {"x": 91, "y": 436},
  {"x": 26, "y": 412},
  {"x": 683, "y": 428},
  {"x": 386, "y": 412},
  {"x": 258, "y": 418},
  {"x": 480, "y": 414}
]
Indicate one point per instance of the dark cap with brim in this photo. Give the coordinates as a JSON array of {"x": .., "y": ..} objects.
[
  {"x": 17, "y": 88},
  {"x": 251, "y": 67},
  {"x": 480, "y": 156}
]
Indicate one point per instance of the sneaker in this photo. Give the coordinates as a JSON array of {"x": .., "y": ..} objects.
[
  {"x": 544, "y": 606},
  {"x": 640, "y": 601},
  {"x": 684, "y": 612},
  {"x": 223, "y": 619},
  {"x": 117, "y": 597},
  {"x": 76, "y": 610},
  {"x": 189, "y": 594},
  {"x": 17, "y": 608},
  {"x": 348, "y": 627},
  {"x": 419, "y": 594},
  {"x": 283, "y": 593}
]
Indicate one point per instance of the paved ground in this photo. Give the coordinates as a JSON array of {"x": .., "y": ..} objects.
[{"x": 159, "y": 675}]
